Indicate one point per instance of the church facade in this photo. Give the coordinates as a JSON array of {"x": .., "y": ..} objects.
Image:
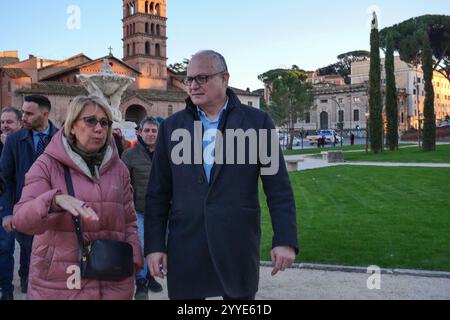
[{"x": 157, "y": 91}]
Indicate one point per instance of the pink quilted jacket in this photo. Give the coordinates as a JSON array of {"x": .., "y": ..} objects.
[{"x": 55, "y": 245}]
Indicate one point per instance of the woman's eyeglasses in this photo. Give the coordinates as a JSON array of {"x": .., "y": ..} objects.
[{"x": 92, "y": 122}]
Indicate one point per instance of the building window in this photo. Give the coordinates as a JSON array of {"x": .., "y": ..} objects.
[
  {"x": 134, "y": 48},
  {"x": 341, "y": 116},
  {"x": 356, "y": 115},
  {"x": 158, "y": 30},
  {"x": 147, "y": 48},
  {"x": 146, "y": 27},
  {"x": 74, "y": 79},
  {"x": 152, "y": 8},
  {"x": 324, "y": 101},
  {"x": 402, "y": 119},
  {"x": 170, "y": 110},
  {"x": 9, "y": 87},
  {"x": 157, "y": 50},
  {"x": 128, "y": 50},
  {"x": 128, "y": 30},
  {"x": 340, "y": 100},
  {"x": 308, "y": 117},
  {"x": 250, "y": 103},
  {"x": 152, "y": 29},
  {"x": 146, "y": 6},
  {"x": 158, "y": 9}
]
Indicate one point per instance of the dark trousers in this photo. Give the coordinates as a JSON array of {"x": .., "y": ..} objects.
[{"x": 7, "y": 246}]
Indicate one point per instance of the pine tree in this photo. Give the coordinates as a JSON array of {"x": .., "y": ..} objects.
[
  {"x": 429, "y": 124},
  {"x": 391, "y": 97},
  {"x": 375, "y": 90}
]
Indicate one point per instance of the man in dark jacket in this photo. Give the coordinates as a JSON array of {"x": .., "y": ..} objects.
[
  {"x": 19, "y": 153},
  {"x": 214, "y": 232},
  {"x": 139, "y": 162}
]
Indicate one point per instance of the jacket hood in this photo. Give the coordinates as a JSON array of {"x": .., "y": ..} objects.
[{"x": 58, "y": 150}]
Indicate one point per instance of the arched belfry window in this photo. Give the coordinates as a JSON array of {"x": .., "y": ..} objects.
[
  {"x": 158, "y": 9},
  {"x": 147, "y": 48},
  {"x": 157, "y": 50},
  {"x": 158, "y": 30}
]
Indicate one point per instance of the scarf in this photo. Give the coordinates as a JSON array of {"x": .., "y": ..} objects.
[{"x": 93, "y": 159}]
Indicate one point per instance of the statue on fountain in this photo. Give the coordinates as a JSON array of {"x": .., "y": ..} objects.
[{"x": 109, "y": 85}]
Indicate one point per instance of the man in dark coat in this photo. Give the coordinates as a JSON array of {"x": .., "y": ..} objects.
[
  {"x": 19, "y": 153},
  {"x": 209, "y": 210}
]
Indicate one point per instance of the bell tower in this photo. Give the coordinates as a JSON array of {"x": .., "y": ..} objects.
[{"x": 145, "y": 41}]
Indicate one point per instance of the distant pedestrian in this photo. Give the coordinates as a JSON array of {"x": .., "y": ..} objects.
[{"x": 352, "y": 139}]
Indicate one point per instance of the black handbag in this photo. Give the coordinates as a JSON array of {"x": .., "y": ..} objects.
[{"x": 103, "y": 259}]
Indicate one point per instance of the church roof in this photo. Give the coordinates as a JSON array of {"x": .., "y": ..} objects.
[
  {"x": 173, "y": 94},
  {"x": 15, "y": 73},
  {"x": 86, "y": 64}
]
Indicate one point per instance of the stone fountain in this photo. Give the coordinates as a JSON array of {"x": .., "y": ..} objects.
[{"x": 109, "y": 85}]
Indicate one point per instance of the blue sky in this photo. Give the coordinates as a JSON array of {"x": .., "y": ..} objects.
[{"x": 254, "y": 36}]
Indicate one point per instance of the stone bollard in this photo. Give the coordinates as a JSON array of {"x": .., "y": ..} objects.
[{"x": 335, "y": 156}]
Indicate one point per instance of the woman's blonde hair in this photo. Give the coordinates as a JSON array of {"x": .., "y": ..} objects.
[{"x": 77, "y": 106}]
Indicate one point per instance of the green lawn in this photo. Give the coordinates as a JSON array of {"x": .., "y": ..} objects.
[
  {"x": 361, "y": 216},
  {"x": 441, "y": 155}
]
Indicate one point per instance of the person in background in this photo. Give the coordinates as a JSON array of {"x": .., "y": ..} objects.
[
  {"x": 21, "y": 150},
  {"x": 10, "y": 122},
  {"x": 139, "y": 162}
]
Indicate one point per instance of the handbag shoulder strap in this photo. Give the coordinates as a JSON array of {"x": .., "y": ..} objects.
[{"x": 76, "y": 220}]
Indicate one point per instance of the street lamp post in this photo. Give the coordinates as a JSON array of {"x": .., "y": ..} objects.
[
  {"x": 340, "y": 124},
  {"x": 420, "y": 130},
  {"x": 367, "y": 132}
]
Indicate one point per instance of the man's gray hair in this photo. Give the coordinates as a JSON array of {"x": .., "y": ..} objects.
[
  {"x": 149, "y": 120},
  {"x": 219, "y": 60},
  {"x": 17, "y": 112}
]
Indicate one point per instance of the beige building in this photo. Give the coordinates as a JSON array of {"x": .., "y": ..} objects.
[
  {"x": 409, "y": 79},
  {"x": 157, "y": 91}
]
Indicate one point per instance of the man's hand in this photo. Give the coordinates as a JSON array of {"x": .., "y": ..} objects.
[
  {"x": 157, "y": 264},
  {"x": 3, "y": 138},
  {"x": 282, "y": 258},
  {"x": 7, "y": 224},
  {"x": 76, "y": 207}
]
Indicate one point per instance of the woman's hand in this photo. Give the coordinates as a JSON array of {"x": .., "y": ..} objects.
[{"x": 76, "y": 207}]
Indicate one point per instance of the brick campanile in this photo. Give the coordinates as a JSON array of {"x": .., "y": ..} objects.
[{"x": 145, "y": 41}]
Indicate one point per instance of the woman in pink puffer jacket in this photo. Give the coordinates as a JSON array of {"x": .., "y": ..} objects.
[{"x": 103, "y": 199}]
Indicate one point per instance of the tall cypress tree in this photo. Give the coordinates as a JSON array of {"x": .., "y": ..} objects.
[
  {"x": 429, "y": 124},
  {"x": 375, "y": 89},
  {"x": 391, "y": 96}
]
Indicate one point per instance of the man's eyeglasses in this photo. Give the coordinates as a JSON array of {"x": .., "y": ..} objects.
[
  {"x": 200, "y": 79},
  {"x": 92, "y": 122}
]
